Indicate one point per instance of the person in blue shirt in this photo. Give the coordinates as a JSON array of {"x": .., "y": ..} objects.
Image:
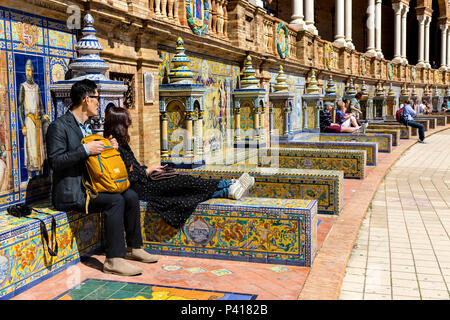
[{"x": 409, "y": 115}]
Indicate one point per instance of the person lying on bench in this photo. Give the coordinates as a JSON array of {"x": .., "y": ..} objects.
[
  {"x": 176, "y": 197},
  {"x": 347, "y": 121}
]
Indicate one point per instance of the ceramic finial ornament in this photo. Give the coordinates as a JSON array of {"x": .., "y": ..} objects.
[
  {"x": 89, "y": 64},
  {"x": 313, "y": 87},
  {"x": 331, "y": 87},
  {"x": 249, "y": 80},
  {"x": 404, "y": 91},
  {"x": 281, "y": 84},
  {"x": 350, "y": 90},
  {"x": 380, "y": 90},
  {"x": 181, "y": 72},
  {"x": 391, "y": 92},
  {"x": 364, "y": 89}
]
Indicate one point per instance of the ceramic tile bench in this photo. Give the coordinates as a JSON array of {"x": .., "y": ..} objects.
[
  {"x": 23, "y": 261},
  {"x": 262, "y": 230},
  {"x": 425, "y": 123},
  {"x": 394, "y": 132},
  {"x": 370, "y": 147},
  {"x": 351, "y": 162},
  {"x": 384, "y": 141},
  {"x": 434, "y": 121},
  {"x": 326, "y": 186},
  {"x": 405, "y": 132}
]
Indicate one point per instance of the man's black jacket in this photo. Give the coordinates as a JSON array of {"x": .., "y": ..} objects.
[{"x": 66, "y": 156}]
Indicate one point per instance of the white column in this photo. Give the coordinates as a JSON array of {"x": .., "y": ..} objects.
[
  {"x": 348, "y": 24},
  {"x": 444, "y": 28},
  {"x": 339, "y": 38},
  {"x": 404, "y": 33},
  {"x": 378, "y": 4},
  {"x": 427, "y": 42},
  {"x": 297, "y": 18},
  {"x": 421, "y": 60},
  {"x": 371, "y": 29},
  {"x": 309, "y": 17},
  {"x": 398, "y": 8}
]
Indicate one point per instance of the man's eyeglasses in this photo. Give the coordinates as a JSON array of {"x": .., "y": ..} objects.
[{"x": 96, "y": 97}]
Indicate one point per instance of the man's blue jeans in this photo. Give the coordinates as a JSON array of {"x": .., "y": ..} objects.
[
  {"x": 419, "y": 127},
  {"x": 222, "y": 189}
]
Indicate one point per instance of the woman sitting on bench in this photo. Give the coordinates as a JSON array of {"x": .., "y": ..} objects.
[{"x": 173, "y": 196}]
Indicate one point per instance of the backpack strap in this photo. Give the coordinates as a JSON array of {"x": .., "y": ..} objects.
[{"x": 90, "y": 192}]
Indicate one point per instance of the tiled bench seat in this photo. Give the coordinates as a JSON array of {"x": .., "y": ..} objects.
[
  {"x": 326, "y": 186},
  {"x": 384, "y": 141},
  {"x": 23, "y": 261},
  {"x": 425, "y": 123},
  {"x": 405, "y": 132},
  {"x": 394, "y": 132},
  {"x": 351, "y": 162},
  {"x": 434, "y": 121},
  {"x": 263, "y": 230},
  {"x": 370, "y": 147}
]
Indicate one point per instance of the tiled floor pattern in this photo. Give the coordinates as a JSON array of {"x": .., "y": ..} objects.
[
  {"x": 403, "y": 247},
  {"x": 94, "y": 289}
]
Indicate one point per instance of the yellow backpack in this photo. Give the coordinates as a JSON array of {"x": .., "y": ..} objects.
[{"x": 106, "y": 170}]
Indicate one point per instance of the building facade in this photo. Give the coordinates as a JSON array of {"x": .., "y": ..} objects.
[{"x": 381, "y": 43}]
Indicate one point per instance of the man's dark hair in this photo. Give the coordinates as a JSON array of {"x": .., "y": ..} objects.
[
  {"x": 81, "y": 90},
  {"x": 358, "y": 95}
]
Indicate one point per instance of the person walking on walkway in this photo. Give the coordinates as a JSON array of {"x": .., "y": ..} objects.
[{"x": 409, "y": 115}]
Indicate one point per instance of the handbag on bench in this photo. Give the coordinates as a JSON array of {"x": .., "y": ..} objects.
[{"x": 23, "y": 211}]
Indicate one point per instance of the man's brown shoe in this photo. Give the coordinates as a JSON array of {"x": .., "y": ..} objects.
[
  {"x": 120, "y": 267},
  {"x": 140, "y": 255}
]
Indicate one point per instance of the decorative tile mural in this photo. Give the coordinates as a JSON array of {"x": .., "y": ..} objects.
[
  {"x": 96, "y": 289},
  {"x": 220, "y": 78},
  {"x": 296, "y": 85},
  {"x": 253, "y": 229},
  {"x": 34, "y": 53}
]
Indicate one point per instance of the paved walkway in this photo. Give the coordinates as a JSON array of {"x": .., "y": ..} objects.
[{"x": 403, "y": 246}]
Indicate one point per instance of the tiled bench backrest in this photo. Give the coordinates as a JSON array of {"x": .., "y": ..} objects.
[
  {"x": 370, "y": 147},
  {"x": 405, "y": 132},
  {"x": 263, "y": 230},
  {"x": 351, "y": 162},
  {"x": 395, "y": 133},
  {"x": 323, "y": 185},
  {"x": 23, "y": 260},
  {"x": 384, "y": 140}
]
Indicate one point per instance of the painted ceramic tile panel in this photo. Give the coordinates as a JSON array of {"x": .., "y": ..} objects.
[
  {"x": 37, "y": 56},
  {"x": 297, "y": 85},
  {"x": 252, "y": 228},
  {"x": 23, "y": 257},
  {"x": 96, "y": 289},
  {"x": 220, "y": 78}
]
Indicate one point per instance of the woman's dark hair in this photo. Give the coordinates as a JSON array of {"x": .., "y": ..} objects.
[
  {"x": 117, "y": 122},
  {"x": 81, "y": 90}
]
